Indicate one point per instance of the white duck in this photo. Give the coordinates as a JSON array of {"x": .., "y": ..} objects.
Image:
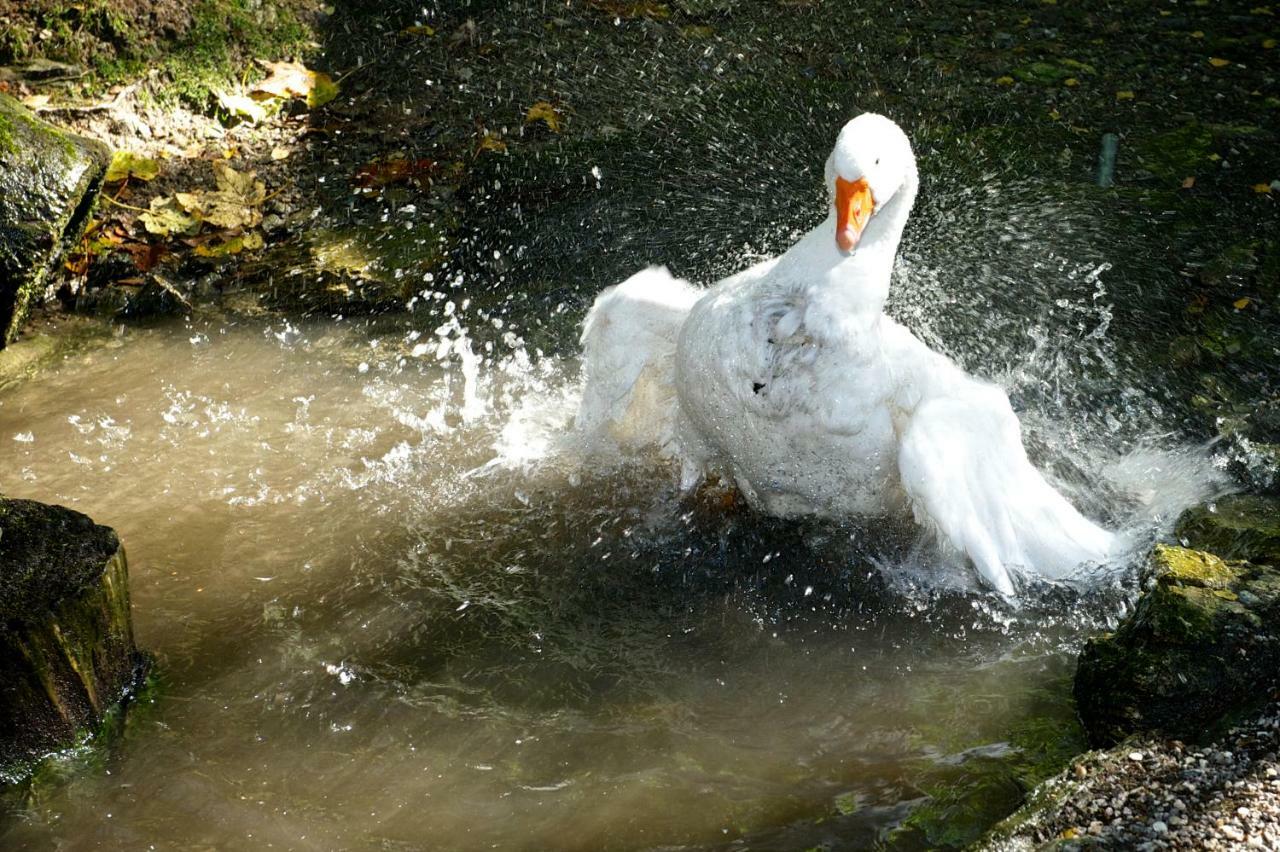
[{"x": 788, "y": 380}]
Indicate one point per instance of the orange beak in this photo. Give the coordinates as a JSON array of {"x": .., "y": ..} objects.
[{"x": 854, "y": 206}]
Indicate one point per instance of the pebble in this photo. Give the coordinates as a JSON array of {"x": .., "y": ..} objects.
[{"x": 1164, "y": 795}]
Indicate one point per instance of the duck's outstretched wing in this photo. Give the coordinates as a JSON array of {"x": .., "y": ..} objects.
[
  {"x": 967, "y": 474},
  {"x": 629, "y": 342}
]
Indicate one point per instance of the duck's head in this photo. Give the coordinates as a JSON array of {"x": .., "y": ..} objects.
[{"x": 870, "y": 163}]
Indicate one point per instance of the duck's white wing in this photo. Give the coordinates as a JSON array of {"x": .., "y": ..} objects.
[
  {"x": 629, "y": 342},
  {"x": 965, "y": 470}
]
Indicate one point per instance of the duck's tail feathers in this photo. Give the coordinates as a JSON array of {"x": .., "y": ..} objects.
[
  {"x": 629, "y": 345},
  {"x": 967, "y": 474}
]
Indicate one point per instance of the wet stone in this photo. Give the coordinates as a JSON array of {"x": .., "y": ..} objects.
[
  {"x": 1241, "y": 526},
  {"x": 48, "y": 183},
  {"x": 67, "y": 654},
  {"x": 1202, "y": 642}
]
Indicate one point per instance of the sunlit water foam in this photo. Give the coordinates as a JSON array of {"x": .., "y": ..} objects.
[{"x": 1123, "y": 466}]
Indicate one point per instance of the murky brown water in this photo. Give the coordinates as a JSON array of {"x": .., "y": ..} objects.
[{"x": 366, "y": 639}]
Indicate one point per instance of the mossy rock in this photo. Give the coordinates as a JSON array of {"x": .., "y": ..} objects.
[
  {"x": 49, "y": 181},
  {"x": 66, "y": 638},
  {"x": 1203, "y": 640},
  {"x": 1015, "y": 832},
  {"x": 1243, "y": 526}
]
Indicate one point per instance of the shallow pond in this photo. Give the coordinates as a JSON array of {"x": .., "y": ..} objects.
[{"x": 393, "y": 605}]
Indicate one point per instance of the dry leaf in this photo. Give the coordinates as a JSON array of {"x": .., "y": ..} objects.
[
  {"x": 546, "y": 113},
  {"x": 1004, "y": 81},
  {"x": 232, "y": 245},
  {"x": 1219, "y": 63},
  {"x": 242, "y": 106},
  {"x": 1187, "y": 183},
  {"x": 1124, "y": 95},
  {"x": 419, "y": 30},
  {"x": 490, "y": 141},
  {"x": 279, "y": 152},
  {"x": 166, "y": 218},
  {"x": 295, "y": 80},
  {"x": 126, "y": 164},
  {"x": 384, "y": 171},
  {"x": 245, "y": 185},
  {"x": 1262, "y": 188},
  {"x": 1241, "y": 304},
  {"x": 324, "y": 90},
  {"x": 284, "y": 80},
  {"x": 145, "y": 255},
  {"x": 235, "y": 203}
]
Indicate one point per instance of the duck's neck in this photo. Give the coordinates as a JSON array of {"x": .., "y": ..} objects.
[{"x": 850, "y": 290}]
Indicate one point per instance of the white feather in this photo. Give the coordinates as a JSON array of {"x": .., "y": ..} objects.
[
  {"x": 789, "y": 379},
  {"x": 629, "y": 342}
]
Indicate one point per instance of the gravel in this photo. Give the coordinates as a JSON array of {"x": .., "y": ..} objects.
[{"x": 1153, "y": 794}]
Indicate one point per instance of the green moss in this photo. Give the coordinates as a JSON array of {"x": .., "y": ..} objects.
[
  {"x": 959, "y": 813},
  {"x": 16, "y": 119},
  {"x": 69, "y": 31},
  {"x": 1238, "y": 527},
  {"x": 224, "y": 38},
  {"x": 1178, "y": 613},
  {"x": 975, "y": 788},
  {"x": 1043, "y": 802},
  {"x": 1199, "y": 643},
  {"x": 1192, "y": 590},
  {"x": 90, "y": 751},
  {"x": 848, "y": 803},
  {"x": 214, "y": 51},
  {"x": 1192, "y": 567},
  {"x": 7, "y": 143},
  {"x": 1175, "y": 154}
]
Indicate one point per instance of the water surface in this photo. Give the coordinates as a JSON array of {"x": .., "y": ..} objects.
[{"x": 392, "y": 607}]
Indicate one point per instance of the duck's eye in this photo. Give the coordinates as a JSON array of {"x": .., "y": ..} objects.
[{"x": 877, "y": 161}]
